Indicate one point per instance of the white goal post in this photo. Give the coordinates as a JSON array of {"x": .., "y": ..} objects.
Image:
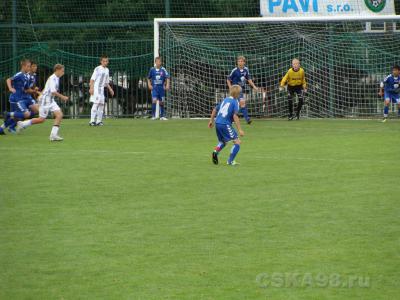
[{"x": 338, "y": 52}]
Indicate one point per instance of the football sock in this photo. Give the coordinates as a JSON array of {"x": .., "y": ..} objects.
[
  {"x": 26, "y": 123},
  {"x": 100, "y": 111},
  {"x": 153, "y": 109},
  {"x": 12, "y": 123},
  {"x": 16, "y": 115},
  {"x": 93, "y": 113},
  {"x": 245, "y": 113},
  {"x": 161, "y": 110},
  {"x": 299, "y": 106},
  {"x": 290, "y": 107},
  {"x": 219, "y": 147},
  {"x": 54, "y": 130},
  {"x": 234, "y": 152},
  {"x": 386, "y": 111}
]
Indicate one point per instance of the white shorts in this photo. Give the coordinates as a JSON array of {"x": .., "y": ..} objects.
[
  {"x": 44, "y": 110},
  {"x": 97, "y": 98}
]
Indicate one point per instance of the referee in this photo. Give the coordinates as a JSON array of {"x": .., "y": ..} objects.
[{"x": 296, "y": 82}]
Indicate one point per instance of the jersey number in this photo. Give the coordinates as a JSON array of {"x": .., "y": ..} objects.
[{"x": 224, "y": 110}]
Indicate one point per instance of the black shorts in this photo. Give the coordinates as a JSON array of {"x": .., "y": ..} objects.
[{"x": 296, "y": 89}]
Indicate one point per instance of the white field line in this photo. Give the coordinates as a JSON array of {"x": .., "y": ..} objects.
[{"x": 191, "y": 155}]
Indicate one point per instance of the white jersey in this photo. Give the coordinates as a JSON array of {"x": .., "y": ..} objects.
[
  {"x": 100, "y": 77},
  {"x": 51, "y": 86}
]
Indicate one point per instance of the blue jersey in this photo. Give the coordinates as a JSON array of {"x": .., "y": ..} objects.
[
  {"x": 19, "y": 83},
  {"x": 32, "y": 80},
  {"x": 226, "y": 110},
  {"x": 392, "y": 84},
  {"x": 158, "y": 77},
  {"x": 240, "y": 76}
]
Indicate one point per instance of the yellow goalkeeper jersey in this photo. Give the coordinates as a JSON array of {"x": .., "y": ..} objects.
[{"x": 294, "y": 78}]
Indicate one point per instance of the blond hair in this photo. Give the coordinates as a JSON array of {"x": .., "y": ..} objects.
[
  {"x": 241, "y": 57},
  {"x": 234, "y": 91},
  {"x": 58, "y": 67}
]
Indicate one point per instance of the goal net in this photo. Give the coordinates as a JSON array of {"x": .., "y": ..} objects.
[{"x": 344, "y": 60}]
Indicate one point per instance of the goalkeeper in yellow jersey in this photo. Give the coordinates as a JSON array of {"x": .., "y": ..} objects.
[{"x": 295, "y": 80}]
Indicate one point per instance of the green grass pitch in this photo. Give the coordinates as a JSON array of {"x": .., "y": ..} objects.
[{"x": 136, "y": 210}]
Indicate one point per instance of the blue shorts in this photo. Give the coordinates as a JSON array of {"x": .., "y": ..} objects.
[
  {"x": 23, "y": 105},
  {"x": 29, "y": 101},
  {"x": 225, "y": 133},
  {"x": 14, "y": 106},
  {"x": 392, "y": 97},
  {"x": 158, "y": 93}
]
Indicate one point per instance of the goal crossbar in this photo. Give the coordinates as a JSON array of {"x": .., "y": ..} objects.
[{"x": 159, "y": 21}]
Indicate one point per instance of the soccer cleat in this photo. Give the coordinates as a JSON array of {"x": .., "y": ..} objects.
[
  {"x": 2, "y": 131},
  {"x": 290, "y": 118},
  {"x": 249, "y": 122},
  {"x": 100, "y": 124},
  {"x": 19, "y": 127},
  {"x": 12, "y": 130},
  {"x": 154, "y": 118},
  {"x": 215, "y": 157},
  {"x": 163, "y": 119},
  {"x": 56, "y": 138},
  {"x": 232, "y": 163},
  {"x": 384, "y": 120},
  {"x": 92, "y": 124}
]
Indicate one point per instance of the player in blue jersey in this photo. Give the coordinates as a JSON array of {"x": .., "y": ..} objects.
[
  {"x": 32, "y": 86},
  {"x": 28, "y": 104},
  {"x": 17, "y": 85},
  {"x": 224, "y": 114},
  {"x": 240, "y": 76},
  {"x": 390, "y": 89},
  {"x": 158, "y": 82}
]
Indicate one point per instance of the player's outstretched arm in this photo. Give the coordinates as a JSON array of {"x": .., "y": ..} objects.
[
  {"x": 91, "y": 87},
  {"x": 252, "y": 84},
  {"x": 237, "y": 122},
  {"x": 284, "y": 81},
  {"x": 381, "y": 92},
  {"x": 110, "y": 89},
  {"x": 9, "y": 85},
  {"x": 166, "y": 87},
  {"x": 304, "y": 83},
  {"x": 61, "y": 96},
  {"x": 212, "y": 117},
  {"x": 229, "y": 83}
]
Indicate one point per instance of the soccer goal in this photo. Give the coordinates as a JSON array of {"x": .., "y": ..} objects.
[{"x": 345, "y": 59}]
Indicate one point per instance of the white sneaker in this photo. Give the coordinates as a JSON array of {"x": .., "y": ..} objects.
[
  {"x": 56, "y": 138},
  {"x": 163, "y": 119},
  {"x": 154, "y": 118},
  {"x": 233, "y": 163},
  {"x": 19, "y": 127}
]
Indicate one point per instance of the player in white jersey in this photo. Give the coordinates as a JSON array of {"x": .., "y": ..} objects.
[
  {"x": 48, "y": 104},
  {"x": 98, "y": 81}
]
